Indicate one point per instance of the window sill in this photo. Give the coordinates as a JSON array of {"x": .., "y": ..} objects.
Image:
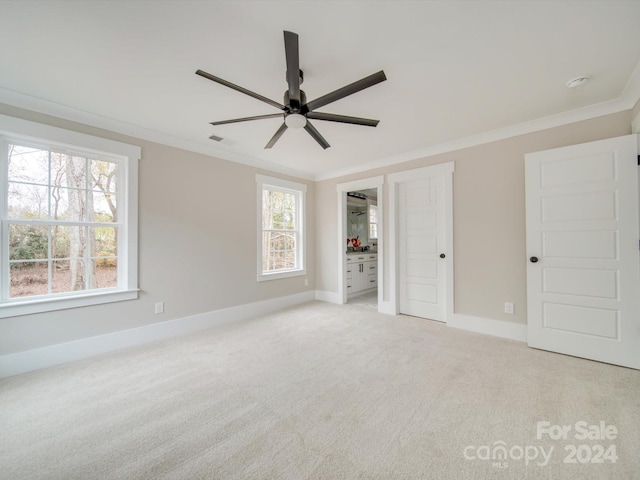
[
  {"x": 28, "y": 307},
  {"x": 277, "y": 275}
]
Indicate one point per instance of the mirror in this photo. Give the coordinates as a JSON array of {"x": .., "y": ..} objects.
[
  {"x": 357, "y": 222},
  {"x": 358, "y": 218}
]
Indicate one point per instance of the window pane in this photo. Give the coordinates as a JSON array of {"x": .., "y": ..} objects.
[
  {"x": 68, "y": 275},
  {"x": 105, "y": 242},
  {"x": 79, "y": 243},
  {"x": 373, "y": 214},
  {"x": 106, "y": 272},
  {"x": 59, "y": 203},
  {"x": 28, "y": 278},
  {"x": 103, "y": 207},
  {"x": 283, "y": 220},
  {"x": 28, "y": 242},
  {"x": 28, "y": 164},
  {"x": 28, "y": 201},
  {"x": 60, "y": 242},
  {"x": 278, "y": 210},
  {"x": 68, "y": 204},
  {"x": 104, "y": 176},
  {"x": 68, "y": 170},
  {"x": 279, "y": 251}
]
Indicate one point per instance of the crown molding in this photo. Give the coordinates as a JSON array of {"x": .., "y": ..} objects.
[
  {"x": 565, "y": 118},
  {"x": 46, "y": 107},
  {"x": 626, "y": 101},
  {"x": 631, "y": 93}
]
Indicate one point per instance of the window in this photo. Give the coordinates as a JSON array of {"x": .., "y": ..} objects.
[
  {"x": 280, "y": 228},
  {"x": 68, "y": 220},
  {"x": 373, "y": 222}
]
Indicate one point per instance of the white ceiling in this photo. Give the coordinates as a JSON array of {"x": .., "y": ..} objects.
[{"x": 455, "y": 69}]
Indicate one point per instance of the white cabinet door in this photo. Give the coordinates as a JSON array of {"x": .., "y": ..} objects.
[
  {"x": 350, "y": 272},
  {"x": 421, "y": 236},
  {"x": 371, "y": 267},
  {"x": 362, "y": 273},
  {"x": 358, "y": 274},
  {"x": 583, "y": 273}
]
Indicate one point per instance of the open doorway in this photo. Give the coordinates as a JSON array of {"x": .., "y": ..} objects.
[
  {"x": 360, "y": 242},
  {"x": 362, "y": 247}
]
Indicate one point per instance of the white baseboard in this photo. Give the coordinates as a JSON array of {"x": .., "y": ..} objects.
[
  {"x": 329, "y": 297},
  {"x": 488, "y": 326},
  {"x": 21, "y": 362}
]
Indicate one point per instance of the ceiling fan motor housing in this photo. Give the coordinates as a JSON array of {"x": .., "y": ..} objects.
[{"x": 295, "y": 108}]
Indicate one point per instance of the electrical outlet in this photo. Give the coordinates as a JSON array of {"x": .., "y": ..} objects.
[
  {"x": 306, "y": 282},
  {"x": 508, "y": 307},
  {"x": 159, "y": 307}
]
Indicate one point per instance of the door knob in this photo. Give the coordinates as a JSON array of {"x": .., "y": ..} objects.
[
  {"x": 534, "y": 259},
  {"x": 442, "y": 255}
]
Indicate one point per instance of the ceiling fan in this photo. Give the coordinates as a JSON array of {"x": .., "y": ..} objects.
[{"x": 296, "y": 110}]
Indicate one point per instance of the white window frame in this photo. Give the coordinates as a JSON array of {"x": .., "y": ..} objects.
[
  {"x": 19, "y": 130},
  {"x": 300, "y": 190},
  {"x": 374, "y": 208}
]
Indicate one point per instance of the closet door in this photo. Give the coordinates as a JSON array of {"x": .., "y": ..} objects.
[
  {"x": 422, "y": 230},
  {"x": 583, "y": 274}
]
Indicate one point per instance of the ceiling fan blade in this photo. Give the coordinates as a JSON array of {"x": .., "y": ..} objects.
[
  {"x": 277, "y": 136},
  {"x": 346, "y": 91},
  {"x": 257, "y": 96},
  {"x": 316, "y": 135},
  {"x": 332, "y": 117},
  {"x": 293, "y": 68},
  {"x": 246, "y": 119}
]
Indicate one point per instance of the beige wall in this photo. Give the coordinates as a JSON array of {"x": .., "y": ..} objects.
[
  {"x": 197, "y": 237},
  {"x": 198, "y": 251},
  {"x": 489, "y": 216}
]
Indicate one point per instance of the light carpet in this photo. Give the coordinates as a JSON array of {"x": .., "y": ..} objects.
[{"x": 322, "y": 391}]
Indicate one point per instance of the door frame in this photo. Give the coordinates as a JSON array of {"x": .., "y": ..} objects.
[
  {"x": 395, "y": 179},
  {"x": 343, "y": 188}
]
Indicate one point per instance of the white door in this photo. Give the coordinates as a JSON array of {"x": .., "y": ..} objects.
[
  {"x": 422, "y": 242},
  {"x": 583, "y": 265}
]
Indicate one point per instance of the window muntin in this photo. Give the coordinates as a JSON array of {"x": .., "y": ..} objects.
[
  {"x": 281, "y": 228},
  {"x": 68, "y": 219},
  {"x": 61, "y": 221}
]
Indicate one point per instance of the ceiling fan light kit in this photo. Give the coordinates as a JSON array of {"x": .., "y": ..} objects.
[
  {"x": 296, "y": 110},
  {"x": 295, "y": 120}
]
